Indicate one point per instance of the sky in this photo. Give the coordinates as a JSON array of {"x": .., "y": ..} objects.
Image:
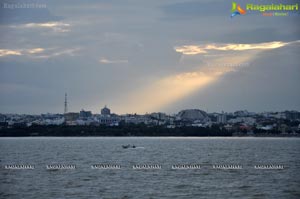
[{"x": 139, "y": 56}]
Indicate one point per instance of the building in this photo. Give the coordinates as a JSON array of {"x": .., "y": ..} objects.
[
  {"x": 192, "y": 115},
  {"x": 221, "y": 118},
  {"x": 71, "y": 116},
  {"x": 105, "y": 111},
  {"x": 85, "y": 114},
  {"x": 109, "y": 120},
  {"x": 292, "y": 115},
  {"x": 242, "y": 113}
]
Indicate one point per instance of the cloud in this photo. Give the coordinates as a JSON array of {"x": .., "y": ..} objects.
[
  {"x": 70, "y": 52},
  {"x": 117, "y": 61},
  {"x": 38, "y": 52},
  {"x": 35, "y": 50},
  {"x": 7, "y": 52},
  {"x": 203, "y": 49},
  {"x": 261, "y": 34},
  {"x": 55, "y": 26},
  {"x": 164, "y": 91},
  {"x": 58, "y": 27},
  {"x": 268, "y": 84}
]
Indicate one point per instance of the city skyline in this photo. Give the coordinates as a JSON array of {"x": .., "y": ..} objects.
[{"x": 139, "y": 57}]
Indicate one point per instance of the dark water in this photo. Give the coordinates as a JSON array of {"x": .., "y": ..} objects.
[{"x": 84, "y": 182}]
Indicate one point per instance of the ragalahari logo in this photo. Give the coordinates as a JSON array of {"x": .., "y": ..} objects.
[{"x": 237, "y": 10}]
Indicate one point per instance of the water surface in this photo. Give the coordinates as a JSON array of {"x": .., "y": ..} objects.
[{"x": 84, "y": 182}]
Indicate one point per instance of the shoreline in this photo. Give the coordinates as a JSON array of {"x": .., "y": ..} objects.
[{"x": 109, "y": 136}]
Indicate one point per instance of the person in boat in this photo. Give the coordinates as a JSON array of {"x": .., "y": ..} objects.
[{"x": 128, "y": 146}]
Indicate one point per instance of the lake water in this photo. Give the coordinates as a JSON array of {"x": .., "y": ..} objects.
[{"x": 125, "y": 183}]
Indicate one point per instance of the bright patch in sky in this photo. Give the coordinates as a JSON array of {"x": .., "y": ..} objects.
[
  {"x": 202, "y": 49},
  {"x": 170, "y": 89}
]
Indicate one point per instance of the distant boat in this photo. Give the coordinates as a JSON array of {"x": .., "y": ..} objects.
[{"x": 128, "y": 146}]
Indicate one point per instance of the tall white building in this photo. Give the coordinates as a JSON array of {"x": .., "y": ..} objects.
[{"x": 222, "y": 118}]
